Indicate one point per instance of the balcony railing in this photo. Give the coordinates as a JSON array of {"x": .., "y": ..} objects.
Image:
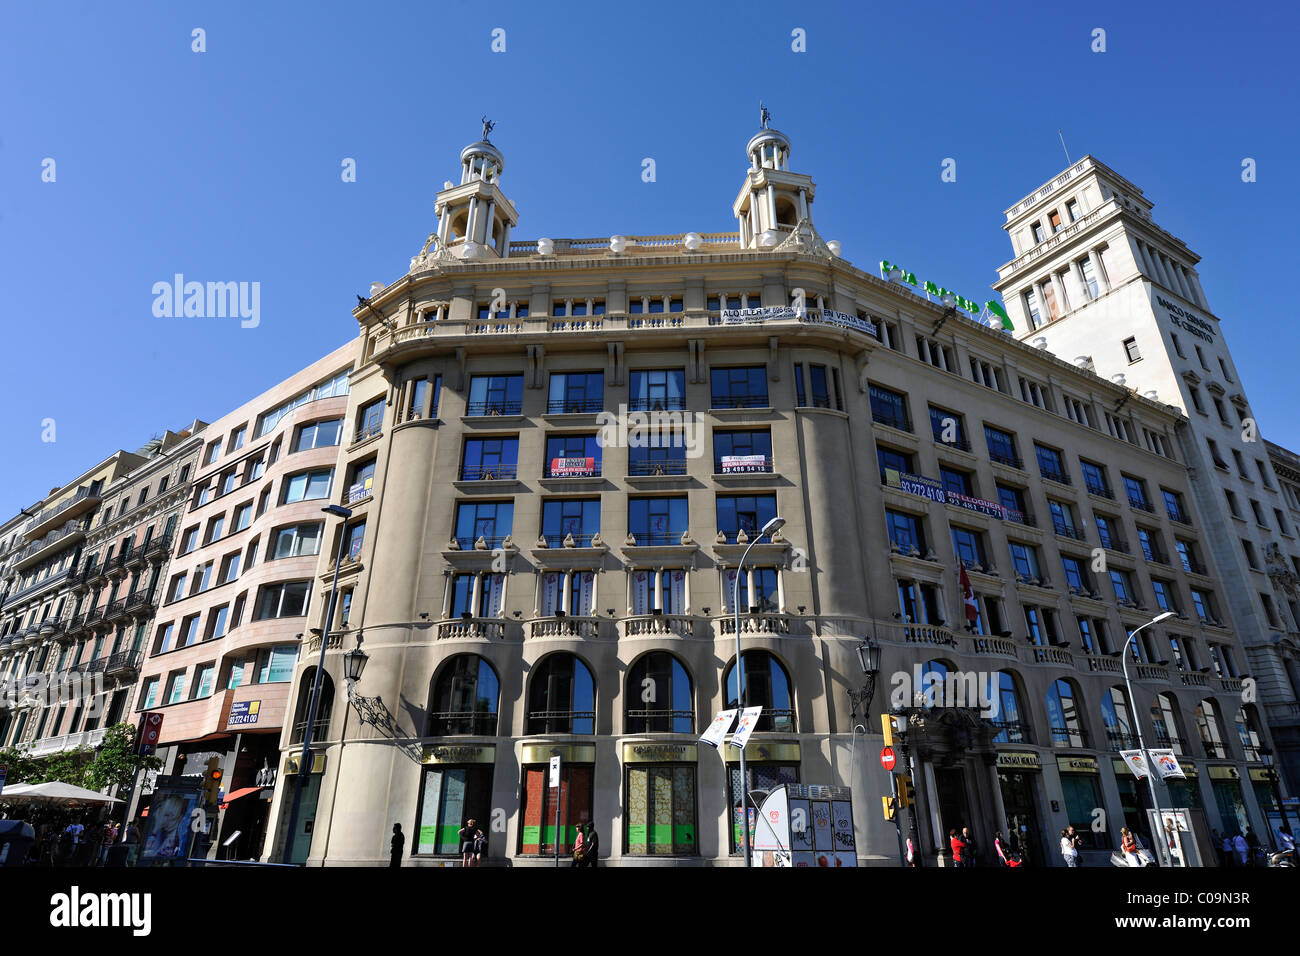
[
  {"x": 452, "y": 723},
  {"x": 1101, "y": 491},
  {"x": 472, "y": 628},
  {"x": 1177, "y": 514},
  {"x": 115, "y": 663},
  {"x": 1141, "y": 504},
  {"x": 658, "y": 538},
  {"x": 580, "y": 406},
  {"x": 1052, "y": 474},
  {"x": 656, "y": 404},
  {"x": 1075, "y": 737},
  {"x": 891, "y": 419},
  {"x": 755, "y": 624},
  {"x": 1068, "y": 530},
  {"x": 367, "y": 431},
  {"x": 739, "y": 401},
  {"x": 158, "y": 546},
  {"x": 1192, "y": 566},
  {"x": 651, "y": 625},
  {"x": 1119, "y": 740},
  {"x": 580, "y": 540},
  {"x": 319, "y": 729},
  {"x": 657, "y": 721},
  {"x": 959, "y": 443},
  {"x": 494, "y": 408},
  {"x": 664, "y": 466},
  {"x": 1112, "y": 543},
  {"x": 1012, "y": 732},
  {"x": 505, "y": 470},
  {"x": 581, "y": 628},
  {"x": 1003, "y": 458},
  {"x": 81, "y": 495},
  {"x": 470, "y": 544}
]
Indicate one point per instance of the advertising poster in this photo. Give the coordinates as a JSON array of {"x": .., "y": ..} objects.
[
  {"x": 1166, "y": 764},
  {"x": 805, "y": 859},
  {"x": 1136, "y": 762},
  {"x": 821, "y": 818},
  {"x": 801, "y": 838},
  {"x": 168, "y": 828},
  {"x": 842, "y": 827},
  {"x": 748, "y": 719}
]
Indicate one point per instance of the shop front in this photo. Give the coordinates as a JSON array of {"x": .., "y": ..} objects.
[
  {"x": 660, "y": 798},
  {"x": 1019, "y": 780},
  {"x": 1081, "y": 796},
  {"x": 537, "y": 836},
  {"x": 455, "y": 787},
  {"x": 768, "y": 765},
  {"x": 307, "y": 811}
]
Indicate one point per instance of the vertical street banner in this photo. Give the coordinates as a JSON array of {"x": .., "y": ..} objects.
[
  {"x": 1136, "y": 762},
  {"x": 748, "y": 721},
  {"x": 1166, "y": 764}
]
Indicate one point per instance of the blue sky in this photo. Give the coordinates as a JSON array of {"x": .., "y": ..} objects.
[{"x": 225, "y": 165}]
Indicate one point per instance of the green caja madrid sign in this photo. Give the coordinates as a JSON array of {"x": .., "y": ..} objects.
[{"x": 930, "y": 288}]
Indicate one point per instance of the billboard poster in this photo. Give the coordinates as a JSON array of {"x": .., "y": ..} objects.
[
  {"x": 842, "y": 827},
  {"x": 572, "y": 467},
  {"x": 801, "y": 834},
  {"x": 169, "y": 826},
  {"x": 821, "y": 820},
  {"x": 739, "y": 464},
  {"x": 772, "y": 831},
  {"x": 1136, "y": 762}
]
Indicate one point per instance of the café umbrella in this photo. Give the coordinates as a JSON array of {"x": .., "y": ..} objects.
[{"x": 55, "y": 792}]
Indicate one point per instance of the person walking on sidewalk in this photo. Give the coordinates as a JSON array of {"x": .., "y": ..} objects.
[
  {"x": 958, "y": 846},
  {"x": 591, "y": 847},
  {"x": 579, "y": 848},
  {"x": 1070, "y": 847},
  {"x": 396, "y": 845}
]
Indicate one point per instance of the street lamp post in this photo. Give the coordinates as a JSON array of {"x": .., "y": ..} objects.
[
  {"x": 773, "y": 526},
  {"x": 304, "y": 762},
  {"x": 1137, "y": 723}
]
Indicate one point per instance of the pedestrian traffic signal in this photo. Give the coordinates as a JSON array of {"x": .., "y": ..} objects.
[
  {"x": 906, "y": 795},
  {"x": 887, "y": 805},
  {"x": 212, "y": 780}
]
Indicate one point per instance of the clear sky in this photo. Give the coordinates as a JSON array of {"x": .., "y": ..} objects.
[{"x": 226, "y": 165}]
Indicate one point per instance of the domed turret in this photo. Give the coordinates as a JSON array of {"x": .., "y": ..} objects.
[
  {"x": 773, "y": 201},
  {"x": 475, "y": 217}
]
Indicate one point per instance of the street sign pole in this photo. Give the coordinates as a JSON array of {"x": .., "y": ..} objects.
[
  {"x": 898, "y": 826},
  {"x": 555, "y": 782}
]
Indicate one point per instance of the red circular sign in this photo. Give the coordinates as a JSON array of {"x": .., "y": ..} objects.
[{"x": 887, "y": 758}]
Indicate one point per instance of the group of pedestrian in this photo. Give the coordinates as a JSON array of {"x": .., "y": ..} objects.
[
  {"x": 586, "y": 847},
  {"x": 1237, "y": 849},
  {"x": 964, "y": 851},
  {"x": 1070, "y": 840}
]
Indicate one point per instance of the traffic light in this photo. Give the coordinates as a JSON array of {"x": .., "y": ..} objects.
[
  {"x": 887, "y": 728},
  {"x": 906, "y": 795},
  {"x": 887, "y": 805},
  {"x": 212, "y": 780}
]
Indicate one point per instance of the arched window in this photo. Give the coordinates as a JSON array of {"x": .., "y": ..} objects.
[
  {"x": 1063, "y": 711},
  {"x": 935, "y": 688},
  {"x": 1164, "y": 717},
  {"x": 1207, "y": 725},
  {"x": 464, "y": 698},
  {"x": 767, "y": 685},
  {"x": 323, "y": 709},
  {"x": 658, "y": 695},
  {"x": 1248, "y": 730},
  {"x": 1011, "y": 719},
  {"x": 1115, "y": 715},
  {"x": 562, "y": 699}
]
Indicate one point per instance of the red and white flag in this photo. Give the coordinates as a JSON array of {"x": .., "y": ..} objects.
[{"x": 967, "y": 594}]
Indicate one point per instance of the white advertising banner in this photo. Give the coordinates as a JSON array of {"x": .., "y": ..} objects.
[
  {"x": 748, "y": 721},
  {"x": 1136, "y": 762},
  {"x": 722, "y": 722},
  {"x": 1166, "y": 764}
]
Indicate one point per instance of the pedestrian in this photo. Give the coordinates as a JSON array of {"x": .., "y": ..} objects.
[
  {"x": 1070, "y": 848},
  {"x": 396, "y": 845},
  {"x": 1128, "y": 847},
  {"x": 998, "y": 848},
  {"x": 972, "y": 853},
  {"x": 958, "y": 846},
  {"x": 591, "y": 847},
  {"x": 480, "y": 848},
  {"x": 1229, "y": 854},
  {"x": 466, "y": 836},
  {"x": 1243, "y": 849},
  {"x": 1285, "y": 840},
  {"x": 579, "y": 847},
  {"x": 1252, "y": 844}
]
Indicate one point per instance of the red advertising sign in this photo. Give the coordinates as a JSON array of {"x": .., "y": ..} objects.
[
  {"x": 572, "y": 467},
  {"x": 150, "y": 730},
  {"x": 888, "y": 758}
]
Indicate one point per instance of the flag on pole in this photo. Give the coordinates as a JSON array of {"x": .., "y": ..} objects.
[{"x": 967, "y": 594}]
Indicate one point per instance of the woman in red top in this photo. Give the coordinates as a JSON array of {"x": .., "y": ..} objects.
[{"x": 958, "y": 847}]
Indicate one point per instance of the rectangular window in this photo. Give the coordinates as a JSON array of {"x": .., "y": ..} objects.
[
  {"x": 948, "y": 428},
  {"x": 658, "y": 521},
  {"x": 821, "y": 397},
  {"x": 276, "y": 665},
  {"x": 1123, "y": 586},
  {"x": 318, "y": 434},
  {"x": 1031, "y": 307},
  {"x": 1094, "y": 479},
  {"x": 657, "y": 390},
  {"x": 214, "y": 452},
  {"x": 229, "y": 568},
  {"x": 449, "y": 797},
  {"x": 1013, "y": 500},
  {"x": 150, "y": 694},
  {"x": 177, "y": 590},
  {"x": 1174, "y": 506},
  {"x": 748, "y": 513},
  {"x": 190, "y": 540},
  {"x": 1024, "y": 557},
  {"x": 890, "y": 459},
  {"x": 336, "y": 386},
  {"x": 1165, "y": 595},
  {"x": 889, "y": 408},
  {"x": 737, "y": 452},
  {"x": 742, "y": 387},
  {"x": 243, "y": 516},
  {"x": 489, "y": 520},
  {"x": 495, "y": 395},
  {"x": 1063, "y": 522},
  {"x": 203, "y": 687},
  {"x": 1076, "y": 577},
  {"x": 968, "y": 545},
  {"x": 297, "y": 540},
  {"x": 660, "y": 810},
  {"x": 958, "y": 482},
  {"x": 1136, "y": 490},
  {"x": 573, "y": 456},
  {"x": 1072, "y": 209},
  {"x": 1002, "y": 446},
  {"x": 663, "y": 453},
  {"x": 308, "y": 485},
  {"x": 288, "y": 599},
  {"x": 176, "y": 687},
  {"x": 486, "y": 459},
  {"x": 905, "y": 531},
  {"x": 537, "y": 836},
  {"x": 370, "y": 420},
  {"x": 576, "y": 393},
  {"x": 578, "y": 518},
  {"x": 1050, "y": 464},
  {"x": 356, "y": 536},
  {"x": 1131, "y": 350}
]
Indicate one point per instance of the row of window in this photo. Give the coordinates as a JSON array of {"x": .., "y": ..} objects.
[{"x": 272, "y": 665}]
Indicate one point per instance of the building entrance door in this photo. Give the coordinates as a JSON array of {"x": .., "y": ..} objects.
[
  {"x": 1019, "y": 800},
  {"x": 953, "y": 804}
]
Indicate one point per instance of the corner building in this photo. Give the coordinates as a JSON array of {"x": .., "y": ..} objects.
[{"x": 526, "y": 581}]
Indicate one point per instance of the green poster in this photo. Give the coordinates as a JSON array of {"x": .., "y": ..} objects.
[
  {"x": 636, "y": 834},
  {"x": 428, "y": 838},
  {"x": 532, "y": 835},
  {"x": 684, "y": 835},
  {"x": 661, "y": 834}
]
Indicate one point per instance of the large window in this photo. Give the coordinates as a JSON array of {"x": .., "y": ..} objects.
[
  {"x": 576, "y": 392},
  {"x": 464, "y": 698},
  {"x": 658, "y": 590},
  {"x": 657, "y": 389},
  {"x": 658, "y": 696},
  {"x": 1024, "y": 557},
  {"x": 748, "y": 513},
  {"x": 736, "y": 452},
  {"x": 483, "y": 601},
  {"x": 495, "y": 395},
  {"x": 562, "y": 697},
  {"x": 1063, "y": 715},
  {"x": 1115, "y": 715},
  {"x": 968, "y": 545},
  {"x": 1002, "y": 446},
  {"x": 308, "y": 486},
  {"x": 565, "y": 517},
  {"x": 537, "y": 835},
  {"x": 370, "y": 419},
  {"x": 948, "y": 428},
  {"x": 890, "y": 459},
  {"x": 573, "y": 456},
  {"x": 660, "y": 810},
  {"x": 336, "y": 386},
  {"x": 288, "y": 599},
  {"x": 449, "y": 798},
  {"x": 1050, "y": 464},
  {"x": 490, "y": 458},
  {"x": 905, "y": 531},
  {"x": 275, "y": 665},
  {"x": 657, "y": 521},
  {"x": 1094, "y": 479},
  {"x": 767, "y": 685},
  {"x": 297, "y": 540},
  {"x": 889, "y": 408},
  {"x": 318, "y": 434},
  {"x": 489, "y": 520},
  {"x": 1136, "y": 490},
  {"x": 1011, "y": 719},
  {"x": 759, "y": 590},
  {"x": 744, "y": 387},
  {"x": 1207, "y": 724}
]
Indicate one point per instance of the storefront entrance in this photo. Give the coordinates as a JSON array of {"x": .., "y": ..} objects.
[{"x": 1019, "y": 801}]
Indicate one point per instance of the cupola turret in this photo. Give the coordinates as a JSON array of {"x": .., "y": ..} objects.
[
  {"x": 773, "y": 201},
  {"x": 475, "y": 217}
]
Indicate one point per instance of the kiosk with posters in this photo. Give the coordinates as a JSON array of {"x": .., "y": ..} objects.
[{"x": 801, "y": 825}]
